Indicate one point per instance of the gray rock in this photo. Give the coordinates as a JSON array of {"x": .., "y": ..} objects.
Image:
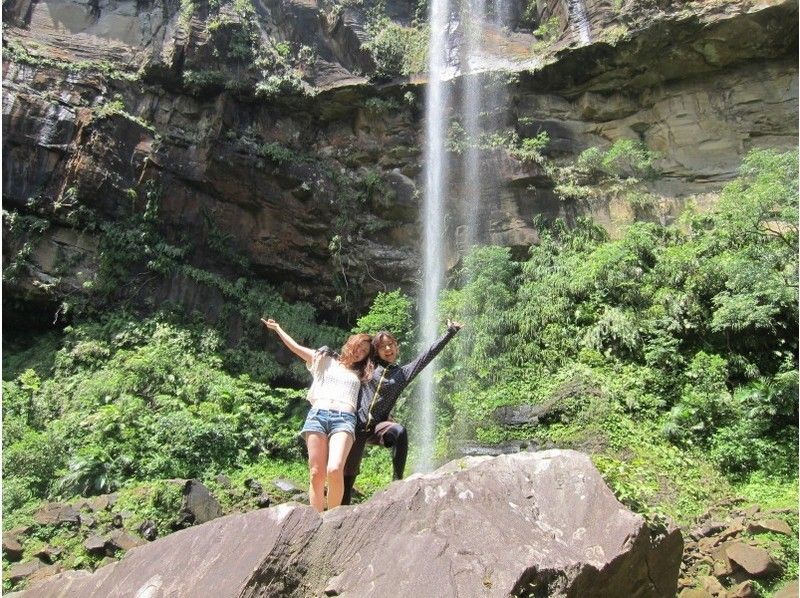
[
  {"x": 95, "y": 544},
  {"x": 518, "y": 415},
  {"x": 777, "y": 526},
  {"x": 87, "y": 520},
  {"x": 756, "y": 561},
  {"x": 122, "y": 540},
  {"x": 55, "y": 513},
  {"x": 254, "y": 486},
  {"x": 287, "y": 486},
  {"x": 751, "y": 511},
  {"x": 43, "y": 573},
  {"x": 476, "y": 449},
  {"x": 49, "y": 554},
  {"x": 790, "y": 590},
  {"x": 709, "y": 528},
  {"x": 148, "y": 530},
  {"x": 540, "y": 522},
  {"x": 199, "y": 502},
  {"x": 120, "y": 518},
  {"x": 712, "y": 585},
  {"x": 20, "y": 571},
  {"x": 743, "y": 590},
  {"x": 12, "y": 547},
  {"x": 102, "y": 502}
]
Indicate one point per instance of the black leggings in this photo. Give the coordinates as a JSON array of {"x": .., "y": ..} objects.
[{"x": 396, "y": 438}]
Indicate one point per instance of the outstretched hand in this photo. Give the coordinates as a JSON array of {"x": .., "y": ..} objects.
[
  {"x": 454, "y": 324},
  {"x": 270, "y": 323}
]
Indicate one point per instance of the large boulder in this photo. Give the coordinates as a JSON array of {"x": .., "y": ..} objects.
[{"x": 532, "y": 523}]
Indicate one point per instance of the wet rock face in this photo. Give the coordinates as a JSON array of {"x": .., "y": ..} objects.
[
  {"x": 284, "y": 178},
  {"x": 540, "y": 523}
]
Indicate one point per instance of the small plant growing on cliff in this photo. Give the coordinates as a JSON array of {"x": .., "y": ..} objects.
[
  {"x": 277, "y": 85},
  {"x": 457, "y": 139},
  {"x": 110, "y": 108},
  {"x": 186, "y": 13},
  {"x": 397, "y": 50},
  {"x": 381, "y": 106},
  {"x": 625, "y": 158},
  {"x": 277, "y": 153},
  {"x": 547, "y": 33},
  {"x": 198, "y": 82},
  {"x": 530, "y": 148}
]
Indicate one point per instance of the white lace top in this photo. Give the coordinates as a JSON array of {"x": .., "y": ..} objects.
[{"x": 334, "y": 386}]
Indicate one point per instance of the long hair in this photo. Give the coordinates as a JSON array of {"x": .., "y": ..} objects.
[
  {"x": 381, "y": 338},
  {"x": 347, "y": 358}
]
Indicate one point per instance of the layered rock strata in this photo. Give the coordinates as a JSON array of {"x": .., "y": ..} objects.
[{"x": 320, "y": 185}]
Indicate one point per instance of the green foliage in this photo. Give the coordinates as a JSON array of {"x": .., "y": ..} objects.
[
  {"x": 117, "y": 107},
  {"x": 110, "y": 108},
  {"x": 134, "y": 244},
  {"x": 277, "y": 153},
  {"x": 396, "y": 50},
  {"x": 620, "y": 170},
  {"x": 135, "y": 400},
  {"x": 203, "y": 81},
  {"x": 526, "y": 149},
  {"x": 625, "y": 158},
  {"x": 389, "y": 311},
  {"x": 688, "y": 330},
  {"x": 24, "y": 230},
  {"x": 530, "y": 148},
  {"x": 187, "y": 9},
  {"x": 276, "y": 85},
  {"x": 158, "y": 502},
  {"x": 546, "y": 33},
  {"x": 381, "y": 106},
  {"x": 15, "y": 51}
]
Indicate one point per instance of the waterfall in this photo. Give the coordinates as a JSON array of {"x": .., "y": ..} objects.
[
  {"x": 473, "y": 99},
  {"x": 433, "y": 217},
  {"x": 483, "y": 109},
  {"x": 579, "y": 20},
  {"x": 482, "y": 99}
]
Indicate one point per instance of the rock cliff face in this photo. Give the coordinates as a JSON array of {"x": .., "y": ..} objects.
[
  {"x": 540, "y": 524},
  {"x": 263, "y": 125}
]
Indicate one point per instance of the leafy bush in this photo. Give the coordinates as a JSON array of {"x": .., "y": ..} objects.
[
  {"x": 625, "y": 158},
  {"x": 204, "y": 81},
  {"x": 692, "y": 327},
  {"x": 389, "y": 311},
  {"x": 547, "y": 32},
  {"x": 138, "y": 400},
  {"x": 396, "y": 50}
]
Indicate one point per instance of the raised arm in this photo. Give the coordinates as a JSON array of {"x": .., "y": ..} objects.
[
  {"x": 302, "y": 352},
  {"x": 412, "y": 368}
]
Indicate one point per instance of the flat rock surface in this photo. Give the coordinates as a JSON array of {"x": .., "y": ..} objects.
[
  {"x": 541, "y": 523},
  {"x": 756, "y": 561}
]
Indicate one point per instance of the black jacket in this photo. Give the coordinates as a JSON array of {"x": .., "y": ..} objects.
[{"x": 392, "y": 380}]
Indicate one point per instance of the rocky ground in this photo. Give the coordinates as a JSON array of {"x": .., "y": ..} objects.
[{"x": 725, "y": 551}]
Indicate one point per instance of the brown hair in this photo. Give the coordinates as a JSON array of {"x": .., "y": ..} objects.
[
  {"x": 380, "y": 338},
  {"x": 347, "y": 357}
]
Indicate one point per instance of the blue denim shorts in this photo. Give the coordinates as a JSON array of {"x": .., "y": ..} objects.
[{"x": 329, "y": 422}]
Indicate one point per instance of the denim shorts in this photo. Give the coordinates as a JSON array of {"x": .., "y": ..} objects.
[{"x": 329, "y": 422}]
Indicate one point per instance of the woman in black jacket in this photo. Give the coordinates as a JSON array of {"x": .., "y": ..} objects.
[{"x": 378, "y": 397}]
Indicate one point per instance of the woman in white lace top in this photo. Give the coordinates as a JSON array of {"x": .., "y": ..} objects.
[{"x": 329, "y": 428}]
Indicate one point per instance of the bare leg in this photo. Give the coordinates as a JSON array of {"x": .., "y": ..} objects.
[
  {"x": 340, "y": 444},
  {"x": 317, "y": 463}
]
